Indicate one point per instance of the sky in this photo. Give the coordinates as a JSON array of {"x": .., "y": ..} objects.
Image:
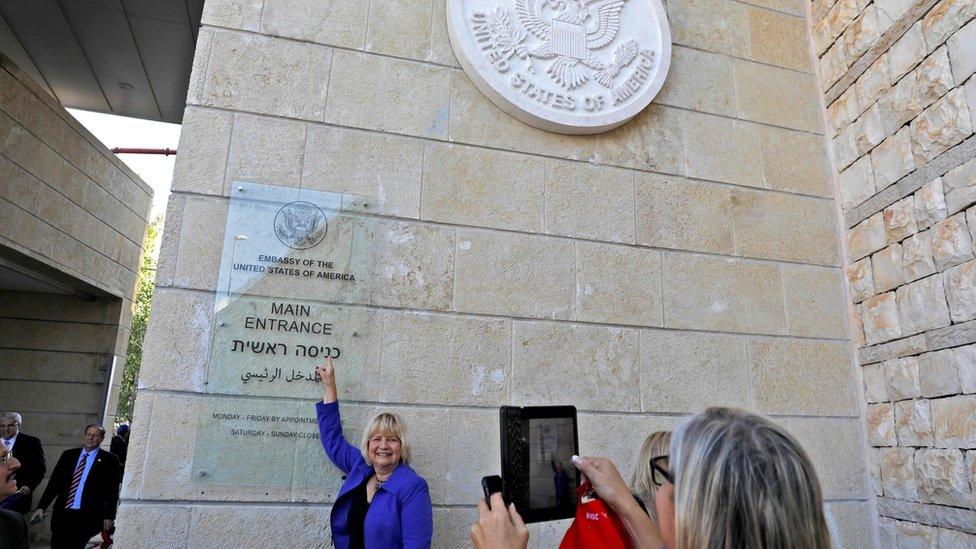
[{"x": 119, "y": 131}]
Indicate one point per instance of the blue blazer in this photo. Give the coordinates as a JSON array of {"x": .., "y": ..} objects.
[{"x": 400, "y": 514}]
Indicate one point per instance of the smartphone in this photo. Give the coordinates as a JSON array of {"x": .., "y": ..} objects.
[{"x": 491, "y": 485}]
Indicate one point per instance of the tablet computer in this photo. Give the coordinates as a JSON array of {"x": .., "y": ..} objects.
[{"x": 537, "y": 444}]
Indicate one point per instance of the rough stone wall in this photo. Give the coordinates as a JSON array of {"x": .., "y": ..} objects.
[
  {"x": 901, "y": 99},
  {"x": 688, "y": 258}
]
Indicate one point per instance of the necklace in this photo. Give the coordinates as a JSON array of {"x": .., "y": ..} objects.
[{"x": 379, "y": 481}]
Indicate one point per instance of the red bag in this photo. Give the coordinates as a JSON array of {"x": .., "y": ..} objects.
[{"x": 595, "y": 525}]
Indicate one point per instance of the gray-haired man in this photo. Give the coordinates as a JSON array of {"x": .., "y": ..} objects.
[{"x": 29, "y": 453}]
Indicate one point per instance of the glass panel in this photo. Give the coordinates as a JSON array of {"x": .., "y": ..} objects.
[{"x": 292, "y": 290}]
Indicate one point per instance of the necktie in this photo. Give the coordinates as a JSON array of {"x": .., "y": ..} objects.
[{"x": 76, "y": 480}]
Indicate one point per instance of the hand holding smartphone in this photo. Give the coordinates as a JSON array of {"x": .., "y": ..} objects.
[{"x": 491, "y": 485}]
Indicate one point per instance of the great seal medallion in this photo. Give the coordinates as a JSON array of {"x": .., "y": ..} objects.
[
  {"x": 566, "y": 66},
  {"x": 300, "y": 225}
]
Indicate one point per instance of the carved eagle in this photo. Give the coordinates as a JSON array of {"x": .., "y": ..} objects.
[
  {"x": 301, "y": 220},
  {"x": 575, "y": 28}
]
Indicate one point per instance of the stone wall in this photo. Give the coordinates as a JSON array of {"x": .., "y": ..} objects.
[
  {"x": 73, "y": 213},
  {"x": 690, "y": 257},
  {"x": 67, "y": 201},
  {"x": 901, "y": 102}
]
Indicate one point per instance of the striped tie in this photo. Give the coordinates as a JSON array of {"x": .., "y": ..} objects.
[{"x": 75, "y": 481}]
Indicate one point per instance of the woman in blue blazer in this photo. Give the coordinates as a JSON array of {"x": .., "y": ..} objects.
[{"x": 383, "y": 503}]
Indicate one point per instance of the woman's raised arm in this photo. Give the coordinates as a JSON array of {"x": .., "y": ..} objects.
[{"x": 345, "y": 456}]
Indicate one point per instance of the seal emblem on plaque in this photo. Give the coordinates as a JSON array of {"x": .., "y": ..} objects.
[
  {"x": 300, "y": 225},
  {"x": 567, "y": 66}
]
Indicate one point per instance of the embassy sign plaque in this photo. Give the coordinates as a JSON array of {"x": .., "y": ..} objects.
[
  {"x": 566, "y": 66},
  {"x": 292, "y": 290}
]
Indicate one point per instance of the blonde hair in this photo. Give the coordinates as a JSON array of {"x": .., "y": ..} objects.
[
  {"x": 642, "y": 483},
  {"x": 742, "y": 481},
  {"x": 388, "y": 424}
]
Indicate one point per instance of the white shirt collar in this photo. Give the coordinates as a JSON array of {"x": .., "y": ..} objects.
[{"x": 9, "y": 443}]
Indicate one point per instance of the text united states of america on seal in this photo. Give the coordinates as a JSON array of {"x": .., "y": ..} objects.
[{"x": 567, "y": 66}]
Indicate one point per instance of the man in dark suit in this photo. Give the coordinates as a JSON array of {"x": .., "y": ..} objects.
[
  {"x": 28, "y": 451},
  {"x": 120, "y": 443},
  {"x": 85, "y": 490}
]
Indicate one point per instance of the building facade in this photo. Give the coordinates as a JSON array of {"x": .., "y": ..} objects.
[{"x": 691, "y": 257}]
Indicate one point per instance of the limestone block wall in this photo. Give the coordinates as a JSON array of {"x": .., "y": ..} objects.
[
  {"x": 690, "y": 257},
  {"x": 67, "y": 201},
  {"x": 901, "y": 101}
]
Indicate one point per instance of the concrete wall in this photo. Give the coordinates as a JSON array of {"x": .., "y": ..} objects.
[
  {"x": 901, "y": 100},
  {"x": 688, "y": 258},
  {"x": 72, "y": 214}
]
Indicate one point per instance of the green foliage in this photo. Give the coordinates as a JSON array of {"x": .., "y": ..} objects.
[{"x": 140, "y": 318}]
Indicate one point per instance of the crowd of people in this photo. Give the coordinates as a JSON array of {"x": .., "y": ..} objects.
[
  {"x": 724, "y": 478},
  {"x": 729, "y": 479},
  {"x": 82, "y": 491}
]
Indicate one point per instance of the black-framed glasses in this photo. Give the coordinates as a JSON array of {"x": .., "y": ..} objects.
[{"x": 659, "y": 471}]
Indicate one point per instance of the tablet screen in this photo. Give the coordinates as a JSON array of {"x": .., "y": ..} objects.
[
  {"x": 552, "y": 478},
  {"x": 537, "y": 444}
]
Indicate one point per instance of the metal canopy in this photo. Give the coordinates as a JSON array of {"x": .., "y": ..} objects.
[{"x": 124, "y": 57}]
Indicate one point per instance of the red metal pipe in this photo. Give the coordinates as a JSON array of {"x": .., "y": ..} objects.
[{"x": 123, "y": 150}]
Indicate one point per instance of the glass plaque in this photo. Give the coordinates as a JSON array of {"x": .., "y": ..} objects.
[{"x": 293, "y": 289}]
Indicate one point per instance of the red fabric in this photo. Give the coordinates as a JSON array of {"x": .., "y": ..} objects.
[
  {"x": 106, "y": 540},
  {"x": 595, "y": 525}
]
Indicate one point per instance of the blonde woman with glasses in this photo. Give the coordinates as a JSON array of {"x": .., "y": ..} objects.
[
  {"x": 647, "y": 479},
  {"x": 733, "y": 480}
]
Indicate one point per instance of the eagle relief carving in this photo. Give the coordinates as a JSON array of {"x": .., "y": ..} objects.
[
  {"x": 572, "y": 35},
  {"x": 300, "y": 225},
  {"x": 581, "y": 58}
]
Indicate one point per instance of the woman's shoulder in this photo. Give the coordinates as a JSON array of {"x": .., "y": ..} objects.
[{"x": 411, "y": 477}]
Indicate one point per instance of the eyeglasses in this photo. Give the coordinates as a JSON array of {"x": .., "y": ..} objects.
[{"x": 659, "y": 471}]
